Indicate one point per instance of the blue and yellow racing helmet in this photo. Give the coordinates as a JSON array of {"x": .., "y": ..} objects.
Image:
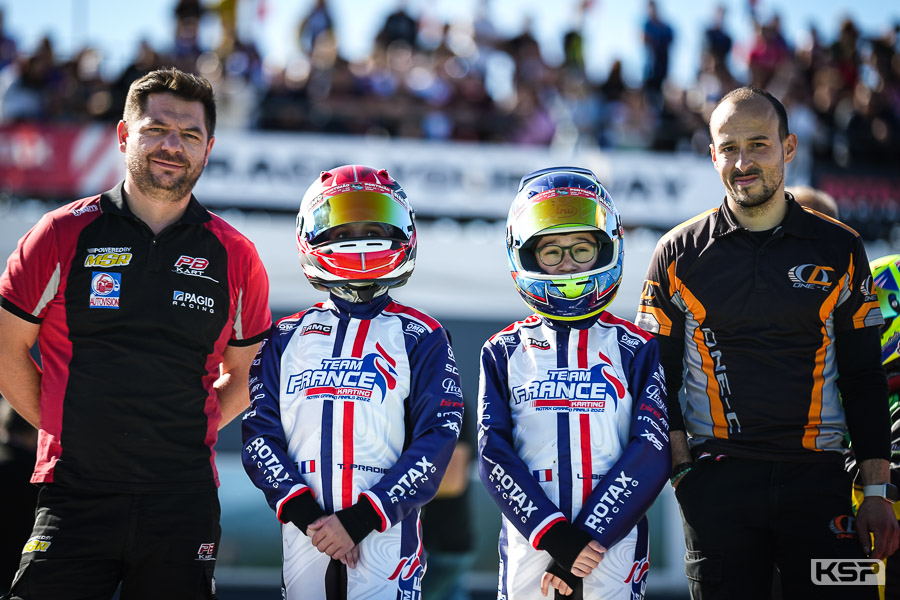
[
  {"x": 886, "y": 274},
  {"x": 562, "y": 200}
]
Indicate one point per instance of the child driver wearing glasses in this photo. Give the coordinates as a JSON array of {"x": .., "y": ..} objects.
[{"x": 572, "y": 440}]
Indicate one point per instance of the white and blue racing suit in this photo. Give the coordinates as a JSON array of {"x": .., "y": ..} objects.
[
  {"x": 573, "y": 445},
  {"x": 355, "y": 410}
]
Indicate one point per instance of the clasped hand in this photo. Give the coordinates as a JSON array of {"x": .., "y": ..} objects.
[
  {"x": 329, "y": 537},
  {"x": 586, "y": 561}
]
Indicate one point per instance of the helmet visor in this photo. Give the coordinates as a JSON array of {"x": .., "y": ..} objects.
[
  {"x": 357, "y": 207},
  {"x": 570, "y": 208}
]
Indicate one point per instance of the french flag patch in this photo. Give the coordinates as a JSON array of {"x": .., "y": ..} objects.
[
  {"x": 307, "y": 466},
  {"x": 543, "y": 475}
]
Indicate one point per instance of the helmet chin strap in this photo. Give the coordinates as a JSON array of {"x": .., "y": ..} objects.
[{"x": 359, "y": 294}]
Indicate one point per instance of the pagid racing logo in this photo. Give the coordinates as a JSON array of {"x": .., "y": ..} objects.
[
  {"x": 577, "y": 390},
  {"x": 193, "y": 301},
  {"x": 105, "y": 289},
  {"x": 347, "y": 378}
]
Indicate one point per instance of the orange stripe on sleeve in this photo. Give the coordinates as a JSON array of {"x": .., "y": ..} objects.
[
  {"x": 716, "y": 410},
  {"x": 814, "y": 415},
  {"x": 664, "y": 322},
  {"x": 859, "y": 317}
]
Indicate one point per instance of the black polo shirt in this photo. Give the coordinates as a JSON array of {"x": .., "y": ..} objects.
[
  {"x": 760, "y": 320},
  {"x": 133, "y": 326}
]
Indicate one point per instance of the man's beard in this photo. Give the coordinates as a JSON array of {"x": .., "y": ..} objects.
[
  {"x": 748, "y": 200},
  {"x": 170, "y": 189}
]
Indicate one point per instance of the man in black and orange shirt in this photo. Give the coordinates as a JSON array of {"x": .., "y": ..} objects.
[
  {"x": 148, "y": 311},
  {"x": 758, "y": 305}
]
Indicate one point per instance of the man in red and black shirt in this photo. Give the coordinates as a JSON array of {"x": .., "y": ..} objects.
[
  {"x": 148, "y": 311},
  {"x": 758, "y": 305}
]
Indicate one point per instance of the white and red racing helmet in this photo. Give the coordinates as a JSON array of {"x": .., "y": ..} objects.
[{"x": 356, "y": 233}]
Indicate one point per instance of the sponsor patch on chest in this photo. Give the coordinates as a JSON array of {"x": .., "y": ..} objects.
[
  {"x": 193, "y": 301},
  {"x": 106, "y": 289}
]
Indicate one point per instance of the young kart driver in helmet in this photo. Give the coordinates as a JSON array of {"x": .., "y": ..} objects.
[
  {"x": 356, "y": 403},
  {"x": 886, "y": 282},
  {"x": 573, "y": 438}
]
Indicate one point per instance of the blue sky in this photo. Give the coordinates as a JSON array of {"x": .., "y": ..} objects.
[{"x": 116, "y": 26}]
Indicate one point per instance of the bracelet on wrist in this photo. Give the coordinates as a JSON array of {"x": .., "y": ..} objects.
[{"x": 680, "y": 470}]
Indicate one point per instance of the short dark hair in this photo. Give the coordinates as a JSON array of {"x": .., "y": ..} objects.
[
  {"x": 746, "y": 93},
  {"x": 184, "y": 86}
]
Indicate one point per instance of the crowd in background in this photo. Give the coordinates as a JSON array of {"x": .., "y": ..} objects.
[{"x": 426, "y": 79}]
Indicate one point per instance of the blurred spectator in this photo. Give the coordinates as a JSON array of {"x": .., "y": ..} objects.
[
  {"x": 804, "y": 123},
  {"x": 614, "y": 88},
  {"x": 283, "y": 105},
  {"x": 187, "y": 29},
  {"x": 484, "y": 35},
  {"x": 86, "y": 95},
  {"x": 526, "y": 54},
  {"x": 18, "y": 449},
  {"x": 815, "y": 199},
  {"x": 658, "y": 36},
  {"x": 21, "y": 94},
  {"x": 317, "y": 22},
  {"x": 188, "y": 10},
  {"x": 716, "y": 41},
  {"x": 235, "y": 71},
  {"x": 768, "y": 54},
  {"x": 714, "y": 78},
  {"x": 32, "y": 87},
  {"x": 239, "y": 57},
  {"x": 464, "y": 81},
  {"x": 7, "y": 45},
  {"x": 573, "y": 40},
  {"x": 845, "y": 54},
  {"x": 868, "y": 131},
  {"x": 146, "y": 60},
  {"x": 533, "y": 125},
  {"x": 811, "y": 56},
  {"x": 398, "y": 26}
]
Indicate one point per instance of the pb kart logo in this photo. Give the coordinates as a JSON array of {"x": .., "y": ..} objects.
[
  {"x": 192, "y": 266},
  {"x": 207, "y": 552},
  {"x": 347, "y": 378},
  {"x": 847, "y": 571},
  {"x": 105, "y": 289}
]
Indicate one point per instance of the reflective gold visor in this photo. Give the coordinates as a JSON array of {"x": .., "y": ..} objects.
[
  {"x": 561, "y": 211},
  {"x": 357, "y": 207}
]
